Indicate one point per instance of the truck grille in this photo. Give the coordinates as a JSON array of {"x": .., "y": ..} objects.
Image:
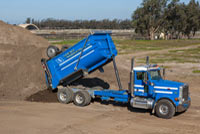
[{"x": 185, "y": 92}]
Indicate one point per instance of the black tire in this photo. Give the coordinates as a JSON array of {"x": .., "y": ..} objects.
[
  {"x": 165, "y": 109},
  {"x": 52, "y": 51},
  {"x": 65, "y": 95},
  {"x": 88, "y": 97},
  {"x": 80, "y": 98}
]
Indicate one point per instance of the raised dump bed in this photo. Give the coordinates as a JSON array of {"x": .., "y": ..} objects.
[{"x": 84, "y": 57}]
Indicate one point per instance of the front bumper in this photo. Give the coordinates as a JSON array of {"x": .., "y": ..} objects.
[{"x": 184, "y": 106}]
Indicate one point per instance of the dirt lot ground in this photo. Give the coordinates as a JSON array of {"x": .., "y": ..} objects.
[
  {"x": 53, "y": 118},
  {"x": 39, "y": 117},
  {"x": 26, "y": 107}
]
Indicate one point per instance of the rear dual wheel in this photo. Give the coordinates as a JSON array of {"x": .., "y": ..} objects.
[
  {"x": 65, "y": 95},
  {"x": 82, "y": 98}
]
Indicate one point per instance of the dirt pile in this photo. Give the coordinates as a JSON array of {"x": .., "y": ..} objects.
[
  {"x": 14, "y": 35},
  {"x": 21, "y": 73}
]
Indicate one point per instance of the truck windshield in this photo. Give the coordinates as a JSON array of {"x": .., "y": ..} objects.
[{"x": 155, "y": 75}]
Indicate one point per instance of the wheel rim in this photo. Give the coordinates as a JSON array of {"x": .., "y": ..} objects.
[
  {"x": 63, "y": 96},
  {"x": 163, "y": 109},
  {"x": 79, "y": 99},
  {"x": 51, "y": 52}
]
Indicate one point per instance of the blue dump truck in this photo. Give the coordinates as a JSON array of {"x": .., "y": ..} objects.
[{"x": 147, "y": 88}]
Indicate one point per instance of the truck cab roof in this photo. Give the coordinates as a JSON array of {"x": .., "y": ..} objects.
[{"x": 145, "y": 67}]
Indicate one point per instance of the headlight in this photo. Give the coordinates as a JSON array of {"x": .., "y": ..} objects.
[{"x": 180, "y": 94}]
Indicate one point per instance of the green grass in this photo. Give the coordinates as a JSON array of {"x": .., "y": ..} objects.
[
  {"x": 131, "y": 46},
  {"x": 191, "y": 55},
  {"x": 196, "y": 71}
]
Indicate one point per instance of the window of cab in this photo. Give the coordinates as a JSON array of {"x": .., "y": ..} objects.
[
  {"x": 140, "y": 75},
  {"x": 155, "y": 75}
]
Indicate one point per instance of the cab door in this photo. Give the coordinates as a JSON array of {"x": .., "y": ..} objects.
[
  {"x": 140, "y": 87},
  {"x": 150, "y": 85}
]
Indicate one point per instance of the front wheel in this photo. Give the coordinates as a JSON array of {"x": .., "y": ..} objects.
[{"x": 165, "y": 109}]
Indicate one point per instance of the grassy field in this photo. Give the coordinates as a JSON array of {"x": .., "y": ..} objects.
[
  {"x": 191, "y": 55},
  {"x": 65, "y": 42},
  {"x": 131, "y": 46},
  {"x": 196, "y": 71}
]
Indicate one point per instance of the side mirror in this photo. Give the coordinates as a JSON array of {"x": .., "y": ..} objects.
[{"x": 145, "y": 78}]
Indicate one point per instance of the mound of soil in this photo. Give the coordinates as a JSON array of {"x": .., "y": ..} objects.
[
  {"x": 43, "y": 96},
  {"x": 15, "y": 35},
  {"x": 21, "y": 73}
]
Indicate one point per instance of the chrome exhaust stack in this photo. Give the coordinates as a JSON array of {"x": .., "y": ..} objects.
[
  {"x": 131, "y": 84},
  {"x": 147, "y": 60}
]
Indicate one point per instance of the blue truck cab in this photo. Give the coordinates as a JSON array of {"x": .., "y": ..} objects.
[
  {"x": 148, "y": 90},
  {"x": 151, "y": 91}
]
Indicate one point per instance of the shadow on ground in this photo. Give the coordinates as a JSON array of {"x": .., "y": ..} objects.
[
  {"x": 91, "y": 82},
  {"x": 49, "y": 96}
]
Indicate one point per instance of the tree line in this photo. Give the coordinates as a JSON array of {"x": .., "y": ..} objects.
[
  {"x": 171, "y": 18},
  {"x": 81, "y": 24}
]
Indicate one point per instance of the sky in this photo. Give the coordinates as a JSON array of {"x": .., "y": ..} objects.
[{"x": 16, "y": 11}]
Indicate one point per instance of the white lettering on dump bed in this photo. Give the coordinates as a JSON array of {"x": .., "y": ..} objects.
[
  {"x": 77, "y": 60},
  {"x": 75, "y": 55}
]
